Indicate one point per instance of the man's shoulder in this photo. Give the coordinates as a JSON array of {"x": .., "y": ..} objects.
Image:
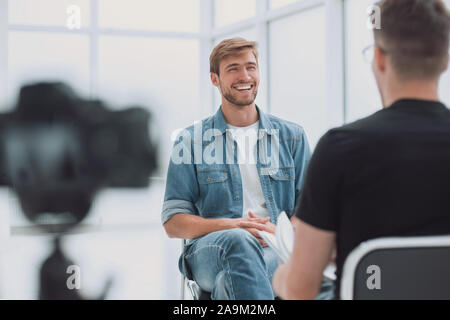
[
  {"x": 350, "y": 135},
  {"x": 372, "y": 121},
  {"x": 287, "y": 128},
  {"x": 204, "y": 124}
]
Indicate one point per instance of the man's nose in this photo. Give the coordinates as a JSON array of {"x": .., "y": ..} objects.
[{"x": 244, "y": 75}]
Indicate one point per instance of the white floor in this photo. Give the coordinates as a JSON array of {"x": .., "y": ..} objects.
[{"x": 126, "y": 241}]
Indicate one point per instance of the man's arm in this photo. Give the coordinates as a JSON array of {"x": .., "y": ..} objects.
[
  {"x": 188, "y": 226},
  {"x": 301, "y": 277}
]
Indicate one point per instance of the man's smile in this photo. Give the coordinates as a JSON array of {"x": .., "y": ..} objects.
[{"x": 243, "y": 87}]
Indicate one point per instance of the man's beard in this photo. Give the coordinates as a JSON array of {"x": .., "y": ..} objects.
[{"x": 240, "y": 103}]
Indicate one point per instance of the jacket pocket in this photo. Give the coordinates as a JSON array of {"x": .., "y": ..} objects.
[
  {"x": 214, "y": 193},
  {"x": 284, "y": 174},
  {"x": 212, "y": 176},
  {"x": 282, "y": 183}
]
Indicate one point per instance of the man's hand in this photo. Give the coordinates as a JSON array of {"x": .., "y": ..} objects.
[
  {"x": 265, "y": 225},
  {"x": 254, "y": 223}
]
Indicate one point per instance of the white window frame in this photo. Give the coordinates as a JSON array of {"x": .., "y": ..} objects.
[{"x": 335, "y": 62}]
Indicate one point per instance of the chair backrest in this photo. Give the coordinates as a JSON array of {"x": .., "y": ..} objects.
[{"x": 406, "y": 268}]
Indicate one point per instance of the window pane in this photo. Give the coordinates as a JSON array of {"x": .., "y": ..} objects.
[
  {"x": 362, "y": 95},
  {"x": 297, "y": 71},
  {"x": 231, "y": 11},
  {"x": 280, "y": 3},
  {"x": 159, "y": 73},
  {"x": 46, "y": 12},
  {"x": 162, "y": 15},
  {"x": 48, "y": 56}
]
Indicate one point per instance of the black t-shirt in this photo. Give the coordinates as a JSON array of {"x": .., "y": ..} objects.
[{"x": 384, "y": 175}]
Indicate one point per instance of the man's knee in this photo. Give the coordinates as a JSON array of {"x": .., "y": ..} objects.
[{"x": 240, "y": 240}]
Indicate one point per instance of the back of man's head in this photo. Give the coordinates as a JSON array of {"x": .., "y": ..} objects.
[{"x": 415, "y": 35}]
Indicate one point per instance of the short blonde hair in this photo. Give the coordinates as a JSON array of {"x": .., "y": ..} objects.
[{"x": 230, "y": 47}]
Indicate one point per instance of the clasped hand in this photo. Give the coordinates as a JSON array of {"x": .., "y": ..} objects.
[{"x": 254, "y": 223}]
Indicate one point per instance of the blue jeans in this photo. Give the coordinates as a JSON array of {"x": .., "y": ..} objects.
[{"x": 232, "y": 265}]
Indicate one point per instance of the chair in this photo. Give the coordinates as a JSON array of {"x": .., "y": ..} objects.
[
  {"x": 196, "y": 292},
  {"x": 398, "y": 268}
]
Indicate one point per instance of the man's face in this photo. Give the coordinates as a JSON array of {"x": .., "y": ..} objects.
[{"x": 239, "y": 78}]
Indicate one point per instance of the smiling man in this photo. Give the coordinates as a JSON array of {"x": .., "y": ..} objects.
[{"x": 220, "y": 203}]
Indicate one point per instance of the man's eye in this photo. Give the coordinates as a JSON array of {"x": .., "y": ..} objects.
[
  {"x": 252, "y": 68},
  {"x": 233, "y": 69}
]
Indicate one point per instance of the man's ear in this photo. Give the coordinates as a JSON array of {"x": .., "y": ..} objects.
[
  {"x": 380, "y": 59},
  {"x": 215, "y": 79}
]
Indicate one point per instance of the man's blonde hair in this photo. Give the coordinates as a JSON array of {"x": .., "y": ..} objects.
[{"x": 230, "y": 47}]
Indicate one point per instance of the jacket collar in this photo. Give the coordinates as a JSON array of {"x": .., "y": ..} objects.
[{"x": 220, "y": 124}]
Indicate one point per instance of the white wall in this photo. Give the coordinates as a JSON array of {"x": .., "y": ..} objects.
[{"x": 298, "y": 71}]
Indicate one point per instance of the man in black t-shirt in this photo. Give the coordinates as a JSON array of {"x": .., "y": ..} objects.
[{"x": 388, "y": 174}]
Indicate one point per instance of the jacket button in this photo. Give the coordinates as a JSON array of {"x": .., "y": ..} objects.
[
  {"x": 287, "y": 175},
  {"x": 237, "y": 198},
  {"x": 208, "y": 179}
]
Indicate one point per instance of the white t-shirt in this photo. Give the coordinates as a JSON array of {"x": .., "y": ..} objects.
[{"x": 253, "y": 199}]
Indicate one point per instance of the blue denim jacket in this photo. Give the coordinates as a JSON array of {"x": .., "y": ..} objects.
[{"x": 204, "y": 178}]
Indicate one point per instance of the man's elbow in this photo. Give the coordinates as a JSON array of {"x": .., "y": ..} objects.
[
  {"x": 170, "y": 228},
  {"x": 301, "y": 292}
]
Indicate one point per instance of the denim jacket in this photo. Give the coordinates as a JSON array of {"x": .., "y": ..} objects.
[{"x": 204, "y": 178}]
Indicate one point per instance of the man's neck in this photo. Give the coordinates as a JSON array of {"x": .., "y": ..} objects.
[
  {"x": 419, "y": 90},
  {"x": 239, "y": 116}
]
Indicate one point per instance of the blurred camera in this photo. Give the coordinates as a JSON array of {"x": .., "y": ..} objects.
[{"x": 58, "y": 150}]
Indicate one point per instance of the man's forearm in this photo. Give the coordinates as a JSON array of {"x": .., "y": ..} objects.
[
  {"x": 188, "y": 226},
  {"x": 288, "y": 288}
]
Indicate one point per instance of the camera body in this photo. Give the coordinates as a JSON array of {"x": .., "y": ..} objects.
[{"x": 58, "y": 150}]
